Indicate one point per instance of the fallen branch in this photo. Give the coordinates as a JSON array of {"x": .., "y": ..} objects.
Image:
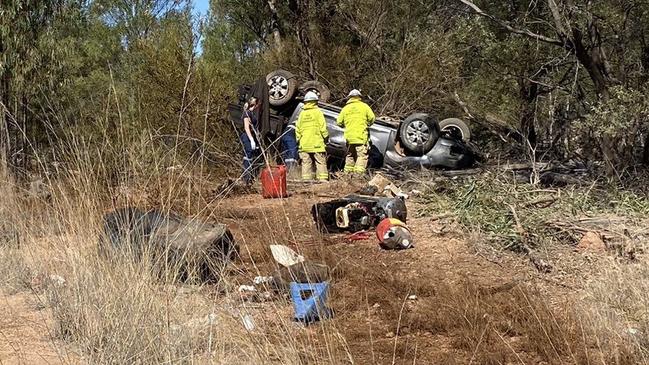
[
  {"x": 538, "y": 262},
  {"x": 524, "y": 166},
  {"x": 497, "y": 126},
  {"x": 575, "y": 227},
  {"x": 453, "y": 173},
  {"x": 543, "y": 202}
]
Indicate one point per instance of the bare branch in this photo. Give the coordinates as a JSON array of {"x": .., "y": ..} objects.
[
  {"x": 526, "y": 32},
  {"x": 562, "y": 28}
]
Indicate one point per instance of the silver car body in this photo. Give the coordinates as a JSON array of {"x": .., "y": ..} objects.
[{"x": 446, "y": 153}]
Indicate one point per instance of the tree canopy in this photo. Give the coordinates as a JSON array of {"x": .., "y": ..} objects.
[{"x": 558, "y": 78}]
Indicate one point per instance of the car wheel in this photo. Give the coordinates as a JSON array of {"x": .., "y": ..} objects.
[
  {"x": 317, "y": 87},
  {"x": 281, "y": 87},
  {"x": 457, "y": 128},
  {"x": 418, "y": 133}
]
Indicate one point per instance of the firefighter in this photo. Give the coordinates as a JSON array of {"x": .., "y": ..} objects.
[
  {"x": 356, "y": 117},
  {"x": 312, "y": 135},
  {"x": 249, "y": 139}
]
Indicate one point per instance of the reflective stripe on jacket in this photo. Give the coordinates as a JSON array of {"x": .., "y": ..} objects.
[
  {"x": 356, "y": 117},
  {"x": 311, "y": 129}
]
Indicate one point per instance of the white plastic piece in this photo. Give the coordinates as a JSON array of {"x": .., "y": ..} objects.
[
  {"x": 285, "y": 256},
  {"x": 262, "y": 280},
  {"x": 342, "y": 217},
  {"x": 247, "y": 288},
  {"x": 248, "y": 322}
]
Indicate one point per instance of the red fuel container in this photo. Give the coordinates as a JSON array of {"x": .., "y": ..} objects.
[{"x": 273, "y": 182}]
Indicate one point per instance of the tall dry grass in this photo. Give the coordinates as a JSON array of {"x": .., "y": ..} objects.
[{"x": 120, "y": 311}]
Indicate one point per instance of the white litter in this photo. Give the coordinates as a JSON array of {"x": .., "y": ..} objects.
[
  {"x": 248, "y": 322},
  {"x": 262, "y": 280},
  {"x": 285, "y": 256},
  {"x": 246, "y": 288}
]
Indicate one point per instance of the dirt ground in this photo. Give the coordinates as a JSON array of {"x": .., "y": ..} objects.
[
  {"x": 391, "y": 307},
  {"x": 26, "y": 332},
  {"x": 371, "y": 286}
]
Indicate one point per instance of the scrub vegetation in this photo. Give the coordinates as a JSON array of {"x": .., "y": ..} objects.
[{"x": 107, "y": 103}]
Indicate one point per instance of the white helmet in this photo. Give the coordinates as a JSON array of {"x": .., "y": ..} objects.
[
  {"x": 311, "y": 96},
  {"x": 353, "y": 93}
]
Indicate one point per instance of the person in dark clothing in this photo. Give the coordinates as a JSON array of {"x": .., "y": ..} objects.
[
  {"x": 289, "y": 152},
  {"x": 249, "y": 140}
]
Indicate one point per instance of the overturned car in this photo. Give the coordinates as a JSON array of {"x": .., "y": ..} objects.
[{"x": 418, "y": 141}]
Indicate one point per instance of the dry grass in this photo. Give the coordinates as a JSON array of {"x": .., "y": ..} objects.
[
  {"x": 509, "y": 323},
  {"x": 618, "y": 298},
  {"x": 483, "y": 203},
  {"x": 119, "y": 312}
]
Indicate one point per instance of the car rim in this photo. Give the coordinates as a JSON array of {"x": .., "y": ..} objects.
[
  {"x": 278, "y": 87},
  {"x": 454, "y": 131},
  {"x": 417, "y": 132}
]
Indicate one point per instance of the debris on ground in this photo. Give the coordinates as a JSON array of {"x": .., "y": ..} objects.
[
  {"x": 248, "y": 322},
  {"x": 310, "y": 301},
  {"x": 355, "y": 213},
  {"x": 382, "y": 186},
  {"x": 393, "y": 234},
  {"x": 194, "y": 250},
  {"x": 249, "y": 293},
  {"x": 194, "y": 326},
  {"x": 379, "y": 181},
  {"x": 624, "y": 236},
  {"x": 246, "y": 288},
  {"x": 259, "y": 280},
  {"x": 285, "y": 256},
  {"x": 302, "y": 272},
  {"x": 39, "y": 189},
  {"x": 358, "y": 236},
  {"x": 591, "y": 242}
]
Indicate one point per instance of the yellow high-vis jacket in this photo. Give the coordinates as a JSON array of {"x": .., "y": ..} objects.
[
  {"x": 356, "y": 117},
  {"x": 311, "y": 129}
]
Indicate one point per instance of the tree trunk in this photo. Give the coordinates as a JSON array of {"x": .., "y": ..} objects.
[
  {"x": 7, "y": 128},
  {"x": 274, "y": 24},
  {"x": 302, "y": 13},
  {"x": 4, "y": 98},
  {"x": 529, "y": 91},
  {"x": 645, "y": 151},
  {"x": 594, "y": 60}
]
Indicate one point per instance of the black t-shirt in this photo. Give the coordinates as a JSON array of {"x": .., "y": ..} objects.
[{"x": 254, "y": 120}]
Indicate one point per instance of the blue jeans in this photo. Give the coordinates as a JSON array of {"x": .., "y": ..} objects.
[
  {"x": 289, "y": 148},
  {"x": 249, "y": 156}
]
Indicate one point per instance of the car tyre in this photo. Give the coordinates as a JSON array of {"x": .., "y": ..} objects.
[
  {"x": 456, "y": 128},
  {"x": 318, "y": 87},
  {"x": 281, "y": 87},
  {"x": 418, "y": 133}
]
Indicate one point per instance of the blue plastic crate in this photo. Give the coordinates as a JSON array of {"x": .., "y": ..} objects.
[{"x": 310, "y": 301}]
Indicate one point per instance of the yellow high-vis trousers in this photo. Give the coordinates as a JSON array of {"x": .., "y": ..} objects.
[
  {"x": 356, "y": 160},
  {"x": 314, "y": 166}
]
